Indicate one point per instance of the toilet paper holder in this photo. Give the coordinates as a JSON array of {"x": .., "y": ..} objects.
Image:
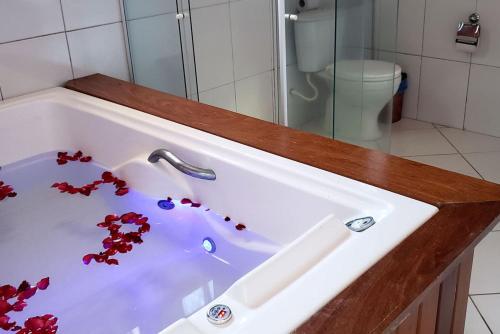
[{"x": 469, "y": 33}]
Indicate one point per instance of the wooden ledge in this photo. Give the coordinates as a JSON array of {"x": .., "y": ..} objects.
[{"x": 468, "y": 206}]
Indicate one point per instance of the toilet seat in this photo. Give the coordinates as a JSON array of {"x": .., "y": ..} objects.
[{"x": 362, "y": 70}]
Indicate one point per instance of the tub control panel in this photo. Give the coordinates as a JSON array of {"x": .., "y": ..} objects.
[
  {"x": 219, "y": 314},
  {"x": 360, "y": 224}
]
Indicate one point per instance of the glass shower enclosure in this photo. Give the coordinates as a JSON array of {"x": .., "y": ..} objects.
[
  {"x": 337, "y": 68},
  {"x": 333, "y": 61},
  {"x": 160, "y": 45}
]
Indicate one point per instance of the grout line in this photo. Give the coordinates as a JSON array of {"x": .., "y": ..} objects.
[
  {"x": 467, "y": 96},
  {"x": 232, "y": 53},
  {"x": 60, "y": 32},
  {"x": 32, "y": 37},
  {"x": 485, "y": 294},
  {"x": 480, "y": 314},
  {"x": 149, "y": 16},
  {"x": 67, "y": 42},
  {"x": 421, "y": 61},
  {"x": 95, "y": 26},
  {"x": 460, "y": 153},
  {"x": 428, "y": 155}
]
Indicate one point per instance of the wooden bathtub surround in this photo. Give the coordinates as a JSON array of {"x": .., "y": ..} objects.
[{"x": 421, "y": 285}]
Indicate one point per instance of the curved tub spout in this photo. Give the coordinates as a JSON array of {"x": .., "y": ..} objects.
[{"x": 188, "y": 169}]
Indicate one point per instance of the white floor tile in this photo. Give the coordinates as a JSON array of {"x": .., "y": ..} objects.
[
  {"x": 474, "y": 324},
  {"x": 497, "y": 228},
  {"x": 470, "y": 142},
  {"x": 451, "y": 162},
  {"x": 486, "y": 266},
  {"x": 420, "y": 142},
  {"x": 489, "y": 307},
  {"x": 487, "y": 164},
  {"x": 410, "y": 124}
]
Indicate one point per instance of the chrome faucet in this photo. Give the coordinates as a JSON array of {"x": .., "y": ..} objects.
[{"x": 188, "y": 169}]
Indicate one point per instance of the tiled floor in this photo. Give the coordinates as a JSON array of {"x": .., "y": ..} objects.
[{"x": 478, "y": 156}]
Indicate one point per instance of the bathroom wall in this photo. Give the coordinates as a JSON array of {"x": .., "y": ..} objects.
[
  {"x": 447, "y": 86},
  {"x": 44, "y": 43},
  {"x": 233, "y": 43}
]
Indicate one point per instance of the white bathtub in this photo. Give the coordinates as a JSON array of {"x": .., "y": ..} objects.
[{"x": 302, "y": 209}]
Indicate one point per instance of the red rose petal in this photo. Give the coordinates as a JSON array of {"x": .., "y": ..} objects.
[
  {"x": 121, "y": 191},
  {"x": 19, "y": 306},
  {"x": 240, "y": 227},
  {"x": 27, "y": 294},
  {"x": 43, "y": 284},
  {"x": 4, "y": 307},
  {"x": 7, "y": 291}
]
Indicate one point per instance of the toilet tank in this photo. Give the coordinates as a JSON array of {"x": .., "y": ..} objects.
[{"x": 315, "y": 39}]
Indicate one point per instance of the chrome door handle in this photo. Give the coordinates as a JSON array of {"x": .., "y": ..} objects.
[
  {"x": 180, "y": 16},
  {"x": 291, "y": 17}
]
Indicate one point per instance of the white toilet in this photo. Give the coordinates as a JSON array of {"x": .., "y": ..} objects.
[{"x": 363, "y": 87}]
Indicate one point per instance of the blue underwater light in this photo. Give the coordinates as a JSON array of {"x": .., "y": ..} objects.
[
  {"x": 209, "y": 245},
  {"x": 166, "y": 204}
]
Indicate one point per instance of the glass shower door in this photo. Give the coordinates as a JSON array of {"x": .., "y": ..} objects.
[
  {"x": 160, "y": 45},
  {"x": 366, "y": 75},
  {"x": 337, "y": 68},
  {"x": 306, "y": 65}
]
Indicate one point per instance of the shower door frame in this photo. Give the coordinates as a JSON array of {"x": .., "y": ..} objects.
[{"x": 186, "y": 44}]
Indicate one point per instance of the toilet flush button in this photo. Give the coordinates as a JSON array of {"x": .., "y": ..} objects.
[{"x": 219, "y": 314}]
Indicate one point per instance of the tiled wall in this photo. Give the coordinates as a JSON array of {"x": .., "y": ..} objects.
[
  {"x": 447, "y": 86},
  {"x": 233, "y": 42},
  {"x": 44, "y": 43}
]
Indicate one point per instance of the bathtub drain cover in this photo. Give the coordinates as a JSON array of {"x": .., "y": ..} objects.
[{"x": 219, "y": 314}]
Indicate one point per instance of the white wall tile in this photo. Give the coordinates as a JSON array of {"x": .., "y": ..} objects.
[
  {"x": 29, "y": 18},
  {"x": 99, "y": 50},
  {"x": 443, "y": 90},
  {"x": 139, "y": 8},
  {"x": 212, "y": 44},
  {"x": 254, "y": 96},
  {"x": 34, "y": 64},
  {"x": 251, "y": 26},
  {"x": 410, "y": 65},
  {"x": 488, "y": 52},
  {"x": 222, "y": 97},
  {"x": 204, "y": 3},
  {"x": 385, "y": 24},
  {"x": 411, "y": 26},
  {"x": 441, "y": 21},
  {"x": 86, "y": 13},
  {"x": 156, "y": 53},
  {"x": 483, "y": 112}
]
